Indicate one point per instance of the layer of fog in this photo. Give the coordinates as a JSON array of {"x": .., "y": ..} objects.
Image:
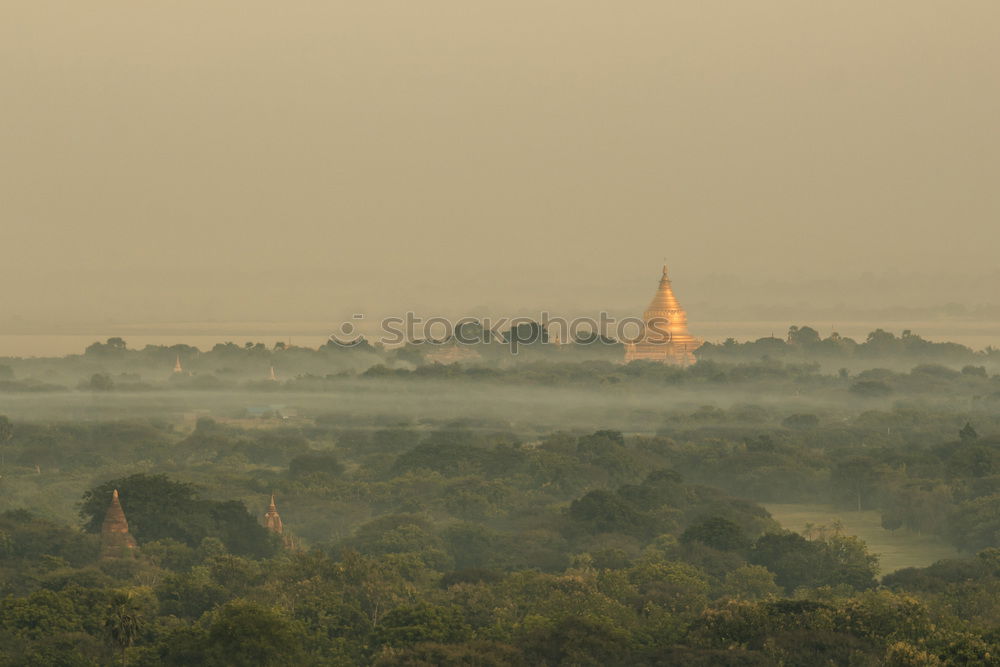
[{"x": 523, "y": 410}]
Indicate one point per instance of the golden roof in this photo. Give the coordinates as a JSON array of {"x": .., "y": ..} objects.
[
  {"x": 664, "y": 302},
  {"x": 666, "y": 338}
]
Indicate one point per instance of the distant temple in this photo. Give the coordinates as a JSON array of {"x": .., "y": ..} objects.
[
  {"x": 177, "y": 365},
  {"x": 666, "y": 338},
  {"x": 451, "y": 354},
  {"x": 272, "y": 521},
  {"x": 271, "y": 376},
  {"x": 116, "y": 541}
]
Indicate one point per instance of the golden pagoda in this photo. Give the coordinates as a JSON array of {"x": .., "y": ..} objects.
[
  {"x": 666, "y": 338},
  {"x": 116, "y": 541},
  {"x": 177, "y": 365}
]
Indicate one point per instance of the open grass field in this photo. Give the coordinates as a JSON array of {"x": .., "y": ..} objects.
[{"x": 896, "y": 548}]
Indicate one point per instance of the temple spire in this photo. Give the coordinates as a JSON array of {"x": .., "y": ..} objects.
[
  {"x": 666, "y": 337},
  {"x": 271, "y": 376},
  {"x": 116, "y": 541},
  {"x": 272, "y": 520},
  {"x": 177, "y": 365}
]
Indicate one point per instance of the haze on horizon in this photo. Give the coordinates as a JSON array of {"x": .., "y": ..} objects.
[{"x": 252, "y": 161}]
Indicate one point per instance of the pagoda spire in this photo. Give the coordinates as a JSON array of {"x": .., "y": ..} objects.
[
  {"x": 272, "y": 520},
  {"x": 271, "y": 376},
  {"x": 665, "y": 312},
  {"x": 177, "y": 365},
  {"x": 116, "y": 541},
  {"x": 666, "y": 337}
]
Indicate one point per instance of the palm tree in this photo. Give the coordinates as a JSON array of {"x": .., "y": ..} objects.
[{"x": 124, "y": 622}]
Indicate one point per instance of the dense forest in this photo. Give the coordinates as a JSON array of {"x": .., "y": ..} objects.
[{"x": 553, "y": 507}]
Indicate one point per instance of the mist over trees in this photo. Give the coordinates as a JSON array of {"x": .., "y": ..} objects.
[
  {"x": 524, "y": 354},
  {"x": 546, "y": 508}
]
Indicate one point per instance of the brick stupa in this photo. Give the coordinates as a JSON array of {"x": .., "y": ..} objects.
[
  {"x": 272, "y": 520},
  {"x": 116, "y": 541}
]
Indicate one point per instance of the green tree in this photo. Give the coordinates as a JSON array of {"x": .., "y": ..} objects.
[
  {"x": 374, "y": 585},
  {"x": 480, "y": 653},
  {"x": 871, "y": 388},
  {"x": 718, "y": 533},
  {"x": 797, "y": 562},
  {"x": 113, "y": 347},
  {"x": 422, "y": 622},
  {"x": 100, "y": 382},
  {"x": 602, "y": 511},
  {"x": 124, "y": 622},
  {"x": 470, "y": 545},
  {"x": 801, "y": 422},
  {"x": 968, "y": 434},
  {"x": 750, "y": 582},
  {"x": 576, "y": 640},
  {"x": 324, "y": 463},
  {"x": 156, "y": 507},
  {"x": 159, "y": 508},
  {"x": 857, "y": 478},
  {"x": 247, "y": 634},
  {"x": 975, "y": 524},
  {"x": 803, "y": 336}
]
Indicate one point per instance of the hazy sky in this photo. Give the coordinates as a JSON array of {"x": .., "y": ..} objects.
[{"x": 198, "y": 159}]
